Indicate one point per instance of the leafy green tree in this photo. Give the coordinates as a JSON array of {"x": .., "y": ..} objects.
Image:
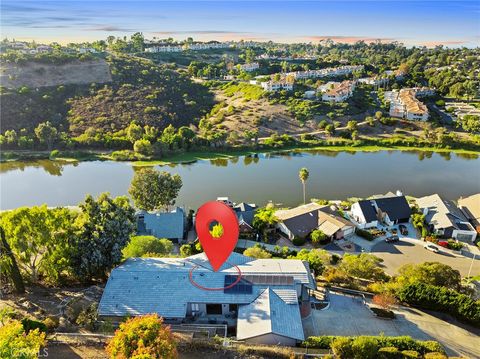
[
  {"x": 138, "y": 42},
  {"x": 105, "y": 226},
  {"x": 433, "y": 273},
  {"x": 264, "y": 220},
  {"x": 140, "y": 246},
  {"x": 134, "y": 132},
  {"x": 318, "y": 237},
  {"x": 470, "y": 123},
  {"x": 330, "y": 129},
  {"x": 40, "y": 239},
  {"x": 143, "y": 147},
  {"x": 352, "y": 125},
  {"x": 11, "y": 136},
  {"x": 143, "y": 337},
  {"x": 186, "y": 136},
  {"x": 364, "y": 265},
  {"x": 46, "y": 133},
  {"x": 257, "y": 252},
  {"x": 316, "y": 258},
  {"x": 8, "y": 264},
  {"x": 303, "y": 175},
  {"x": 154, "y": 190}
]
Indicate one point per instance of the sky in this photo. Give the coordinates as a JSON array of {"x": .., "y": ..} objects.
[{"x": 423, "y": 23}]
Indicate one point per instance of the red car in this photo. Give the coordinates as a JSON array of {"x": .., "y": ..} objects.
[{"x": 443, "y": 244}]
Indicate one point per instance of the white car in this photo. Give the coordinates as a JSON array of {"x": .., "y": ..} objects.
[{"x": 432, "y": 248}]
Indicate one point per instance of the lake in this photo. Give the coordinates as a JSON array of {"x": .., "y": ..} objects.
[{"x": 259, "y": 179}]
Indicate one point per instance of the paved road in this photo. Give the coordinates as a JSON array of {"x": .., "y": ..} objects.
[
  {"x": 348, "y": 316},
  {"x": 412, "y": 251}
]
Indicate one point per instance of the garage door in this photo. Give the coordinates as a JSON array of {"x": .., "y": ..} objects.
[{"x": 464, "y": 237}]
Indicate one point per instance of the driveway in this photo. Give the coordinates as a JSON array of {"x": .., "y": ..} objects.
[
  {"x": 348, "y": 316},
  {"x": 407, "y": 250}
]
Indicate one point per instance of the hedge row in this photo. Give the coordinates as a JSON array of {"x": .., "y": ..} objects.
[
  {"x": 441, "y": 299},
  {"x": 401, "y": 343}
]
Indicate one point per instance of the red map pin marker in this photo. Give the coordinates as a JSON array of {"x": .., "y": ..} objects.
[{"x": 217, "y": 249}]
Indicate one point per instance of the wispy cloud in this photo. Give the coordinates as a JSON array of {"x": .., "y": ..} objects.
[
  {"x": 109, "y": 28},
  {"x": 200, "y": 32}
]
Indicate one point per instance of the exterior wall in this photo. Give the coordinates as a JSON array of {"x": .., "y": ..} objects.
[
  {"x": 417, "y": 117},
  {"x": 348, "y": 231},
  {"x": 357, "y": 216},
  {"x": 283, "y": 228},
  {"x": 202, "y": 309},
  {"x": 272, "y": 339}
]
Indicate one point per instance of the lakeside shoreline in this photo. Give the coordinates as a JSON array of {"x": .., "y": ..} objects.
[{"x": 190, "y": 157}]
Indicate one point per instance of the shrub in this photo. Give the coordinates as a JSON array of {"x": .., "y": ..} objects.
[
  {"x": 30, "y": 324},
  {"x": 143, "y": 337},
  {"x": 342, "y": 348},
  {"x": 15, "y": 342},
  {"x": 364, "y": 234},
  {"x": 454, "y": 245},
  {"x": 401, "y": 343},
  {"x": 51, "y": 323},
  {"x": 54, "y": 154},
  {"x": 144, "y": 147},
  {"x": 435, "y": 355},
  {"x": 139, "y": 246},
  {"x": 365, "y": 347},
  {"x": 186, "y": 250},
  {"x": 124, "y": 155},
  {"x": 441, "y": 299},
  {"x": 383, "y": 313},
  {"x": 389, "y": 353},
  {"x": 88, "y": 317},
  {"x": 298, "y": 241},
  {"x": 411, "y": 354},
  {"x": 440, "y": 103},
  {"x": 318, "y": 237}
]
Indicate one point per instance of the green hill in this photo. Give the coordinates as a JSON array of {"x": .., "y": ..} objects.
[{"x": 139, "y": 90}]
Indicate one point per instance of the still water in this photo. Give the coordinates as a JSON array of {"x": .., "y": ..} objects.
[{"x": 258, "y": 179}]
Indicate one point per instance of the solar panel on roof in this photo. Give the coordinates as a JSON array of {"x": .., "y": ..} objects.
[{"x": 242, "y": 287}]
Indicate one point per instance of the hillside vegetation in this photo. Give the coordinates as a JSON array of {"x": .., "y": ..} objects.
[{"x": 139, "y": 91}]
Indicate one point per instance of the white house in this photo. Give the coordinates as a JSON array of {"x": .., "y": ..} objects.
[
  {"x": 282, "y": 84},
  {"x": 364, "y": 214},
  {"x": 164, "y": 48},
  {"x": 249, "y": 67},
  {"x": 339, "y": 92}
]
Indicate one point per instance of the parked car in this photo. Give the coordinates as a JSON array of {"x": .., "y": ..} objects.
[
  {"x": 443, "y": 244},
  {"x": 403, "y": 229},
  {"x": 431, "y": 247},
  {"x": 392, "y": 239}
]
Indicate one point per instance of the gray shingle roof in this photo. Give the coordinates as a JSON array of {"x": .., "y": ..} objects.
[
  {"x": 162, "y": 285},
  {"x": 396, "y": 207},
  {"x": 441, "y": 213},
  {"x": 168, "y": 225},
  {"x": 368, "y": 210},
  {"x": 268, "y": 313}
]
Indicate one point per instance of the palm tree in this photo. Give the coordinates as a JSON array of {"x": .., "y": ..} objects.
[{"x": 303, "y": 175}]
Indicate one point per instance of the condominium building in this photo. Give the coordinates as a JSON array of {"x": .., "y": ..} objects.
[
  {"x": 404, "y": 104},
  {"x": 338, "y": 91}
]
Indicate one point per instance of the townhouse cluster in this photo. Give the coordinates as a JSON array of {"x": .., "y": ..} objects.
[
  {"x": 198, "y": 46},
  {"x": 337, "y": 91},
  {"x": 405, "y": 103},
  {"x": 24, "y": 48},
  {"x": 288, "y": 79}
]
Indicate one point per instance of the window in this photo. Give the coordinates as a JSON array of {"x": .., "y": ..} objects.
[
  {"x": 214, "y": 309},
  {"x": 195, "y": 307}
]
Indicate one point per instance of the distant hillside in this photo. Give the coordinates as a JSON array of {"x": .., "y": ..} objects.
[
  {"x": 133, "y": 89},
  {"x": 143, "y": 92},
  {"x": 34, "y": 74}
]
